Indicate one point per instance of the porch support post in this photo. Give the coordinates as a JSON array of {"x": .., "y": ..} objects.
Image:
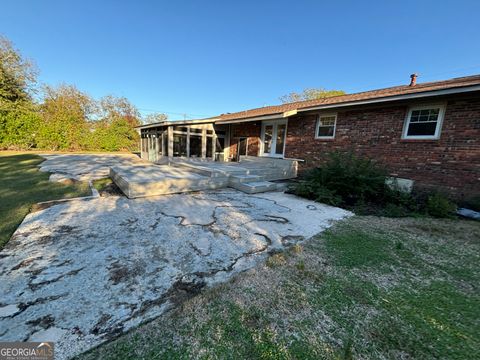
[
  {"x": 214, "y": 144},
  {"x": 204, "y": 143},
  {"x": 156, "y": 145},
  {"x": 227, "y": 142},
  {"x": 188, "y": 141},
  {"x": 170, "y": 141}
]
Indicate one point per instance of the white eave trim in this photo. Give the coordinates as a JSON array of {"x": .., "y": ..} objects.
[
  {"x": 177, "y": 122},
  {"x": 256, "y": 118},
  {"x": 395, "y": 98}
]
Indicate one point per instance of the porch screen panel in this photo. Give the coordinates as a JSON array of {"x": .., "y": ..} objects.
[
  {"x": 179, "y": 145},
  {"x": 195, "y": 146},
  {"x": 220, "y": 144},
  {"x": 209, "y": 147},
  {"x": 144, "y": 143},
  {"x": 160, "y": 143},
  {"x": 280, "y": 139}
]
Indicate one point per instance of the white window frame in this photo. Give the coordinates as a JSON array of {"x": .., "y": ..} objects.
[
  {"x": 317, "y": 126},
  {"x": 438, "y": 129}
]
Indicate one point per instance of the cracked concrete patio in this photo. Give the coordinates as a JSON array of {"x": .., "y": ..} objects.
[{"x": 79, "y": 273}]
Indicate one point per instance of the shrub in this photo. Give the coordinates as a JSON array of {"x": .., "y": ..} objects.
[
  {"x": 395, "y": 210},
  {"x": 19, "y": 129},
  {"x": 311, "y": 190},
  {"x": 439, "y": 206},
  {"x": 361, "y": 184},
  {"x": 345, "y": 179}
]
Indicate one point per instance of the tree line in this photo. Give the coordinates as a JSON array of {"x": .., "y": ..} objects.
[
  {"x": 62, "y": 117},
  {"x": 44, "y": 117}
]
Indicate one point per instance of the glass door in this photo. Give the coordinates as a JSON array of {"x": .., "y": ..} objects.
[
  {"x": 267, "y": 139},
  {"x": 273, "y": 138}
]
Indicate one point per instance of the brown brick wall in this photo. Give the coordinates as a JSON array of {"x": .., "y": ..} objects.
[
  {"x": 250, "y": 130},
  {"x": 451, "y": 163}
]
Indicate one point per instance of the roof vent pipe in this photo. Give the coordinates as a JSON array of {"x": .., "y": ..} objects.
[{"x": 413, "y": 80}]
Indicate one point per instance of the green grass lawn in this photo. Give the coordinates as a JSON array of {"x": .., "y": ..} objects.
[
  {"x": 101, "y": 184},
  {"x": 369, "y": 287},
  {"x": 22, "y": 185}
]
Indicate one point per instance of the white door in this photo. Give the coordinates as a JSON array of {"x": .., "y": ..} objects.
[{"x": 273, "y": 138}]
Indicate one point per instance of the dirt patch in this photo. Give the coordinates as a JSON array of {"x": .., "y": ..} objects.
[
  {"x": 111, "y": 190},
  {"x": 68, "y": 181},
  {"x": 25, "y": 262},
  {"x": 44, "y": 322},
  {"x": 45, "y": 205},
  {"x": 120, "y": 272}
]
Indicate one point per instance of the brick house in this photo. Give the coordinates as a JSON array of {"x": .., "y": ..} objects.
[{"x": 425, "y": 132}]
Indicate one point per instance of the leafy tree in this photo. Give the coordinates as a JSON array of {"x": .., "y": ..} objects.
[
  {"x": 18, "y": 120},
  {"x": 310, "y": 94},
  {"x": 65, "y": 113},
  {"x": 18, "y": 76},
  {"x": 115, "y": 128},
  {"x": 66, "y": 119},
  {"x": 20, "y": 129},
  {"x": 155, "y": 118},
  {"x": 112, "y": 107}
]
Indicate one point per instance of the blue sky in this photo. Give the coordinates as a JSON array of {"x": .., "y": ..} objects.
[{"x": 208, "y": 57}]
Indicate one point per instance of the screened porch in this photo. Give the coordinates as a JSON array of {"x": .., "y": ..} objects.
[{"x": 198, "y": 141}]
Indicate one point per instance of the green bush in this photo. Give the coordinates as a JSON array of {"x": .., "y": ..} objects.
[
  {"x": 439, "y": 206},
  {"x": 359, "y": 184},
  {"x": 345, "y": 179},
  {"x": 395, "y": 210},
  {"x": 19, "y": 129},
  {"x": 311, "y": 190}
]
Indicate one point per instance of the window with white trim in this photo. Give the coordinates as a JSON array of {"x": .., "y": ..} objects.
[
  {"x": 326, "y": 126},
  {"x": 424, "y": 122}
]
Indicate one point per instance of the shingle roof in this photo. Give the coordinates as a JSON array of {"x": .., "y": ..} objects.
[{"x": 361, "y": 96}]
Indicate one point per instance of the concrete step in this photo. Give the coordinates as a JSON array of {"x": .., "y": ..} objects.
[
  {"x": 282, "y": 186},
  {"x": 272, "y": 174},
  {"x": 255, "y": 187},
  {"x": 244, "y": 178},
  {"x": 141, "y": 181},
  {"x": 198, "y": 169}
]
